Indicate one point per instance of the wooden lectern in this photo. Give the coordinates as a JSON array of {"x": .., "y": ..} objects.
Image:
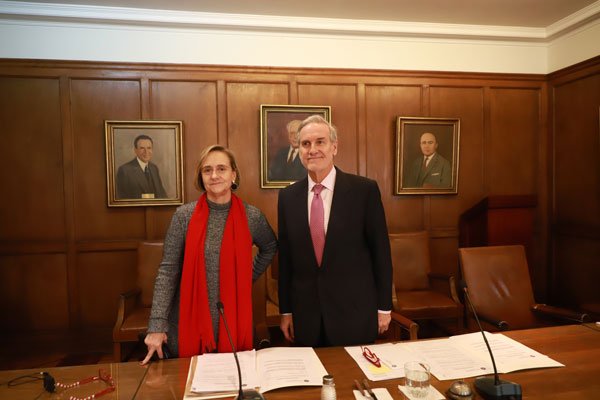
[{"x": 499, "y": 220}]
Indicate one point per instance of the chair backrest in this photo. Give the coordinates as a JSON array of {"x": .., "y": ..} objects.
[
  {"x": 498, "y": 281},
  {"x": 410, "y": 259},
  {"x": 149, "y": 256}
]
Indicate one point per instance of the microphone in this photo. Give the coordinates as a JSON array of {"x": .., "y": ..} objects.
[
  {"x": 492, "y": 388},
  {"x": 248, "y": 394}
]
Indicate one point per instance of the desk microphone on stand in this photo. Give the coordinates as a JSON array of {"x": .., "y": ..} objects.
[
  {"x": 248, "y": 394},
  {"x": 492, "y": 388}
]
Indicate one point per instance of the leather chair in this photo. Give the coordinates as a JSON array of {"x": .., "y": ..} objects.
[
  {"x": 420, "y": 294},
  {"x": 499, "y": 286},
  {"x": 134, "y": 305}
]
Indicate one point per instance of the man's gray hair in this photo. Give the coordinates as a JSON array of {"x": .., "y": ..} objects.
[{"x": 317, "y": 119}]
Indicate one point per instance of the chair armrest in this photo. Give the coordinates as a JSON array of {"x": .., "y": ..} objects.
[
  {"x": 498, "y": 324},
  {"x": 560, "y": 313},
  {"x": 127, "y": 301},
  {"x": 449, "y": 279},
  {"x": 400, "y": 322}
]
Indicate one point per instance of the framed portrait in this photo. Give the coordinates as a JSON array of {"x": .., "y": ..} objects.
[
  {"x": 427, "y": 152},
  {"x": 279, "y": 159},
  {"x": 144, "y": 163}
]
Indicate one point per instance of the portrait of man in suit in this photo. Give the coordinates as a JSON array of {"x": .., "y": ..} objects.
[
  {"x": 430, "y": 170},
  {"x": 335, "y": 269},
  {"x": 427, "y": 155},
  {"x": 286, "y": 166},
  {"x": 140, "y": 177}
]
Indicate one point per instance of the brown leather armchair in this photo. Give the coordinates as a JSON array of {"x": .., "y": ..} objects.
[
  {"x": 134, "y": 305},
  {"x": 420, "y": 294},
  {"x": 499, "y": 286}
]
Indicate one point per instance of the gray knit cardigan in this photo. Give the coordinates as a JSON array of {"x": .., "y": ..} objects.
[{"x": 164, "y": 316}]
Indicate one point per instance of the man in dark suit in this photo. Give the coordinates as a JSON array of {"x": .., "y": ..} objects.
[
  {"x": 140, "y": 178},
  {"x": 286, "y": 165},
  {"x": 431, "y": 170},
  {"x": 335, "y": 269}
]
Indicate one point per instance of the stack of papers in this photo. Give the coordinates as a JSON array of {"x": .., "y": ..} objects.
[
  {"x": 215, "y": 375},
  {"x": 456, "y": 357}
]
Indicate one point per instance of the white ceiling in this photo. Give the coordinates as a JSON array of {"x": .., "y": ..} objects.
[{"x": 518, "y": 13}]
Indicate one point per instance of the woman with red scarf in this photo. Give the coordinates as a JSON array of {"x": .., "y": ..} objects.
[{"x": 208, "y": 258}]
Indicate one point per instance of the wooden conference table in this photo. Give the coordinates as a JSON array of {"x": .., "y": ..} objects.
[{"x": 576, "y": 346}]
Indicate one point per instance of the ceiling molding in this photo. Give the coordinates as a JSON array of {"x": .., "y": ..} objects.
[
  {"x": 184, "y": 19},
  {"x": 573, "y": 21}
]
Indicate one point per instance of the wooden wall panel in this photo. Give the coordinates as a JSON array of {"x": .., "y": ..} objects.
[
  {"x": 577, "y": 151},
  {"x": 576, "y": 186},
  {"x": 243, "y": 128},
  {"x": 343, "y": 102},
  {"x": 195, "y": 103},
  {"x": 32, "y": 173},
  {"x": 384, "y": 104},
  {"x": 92, "y": 254},
  {"x": 465, "y": 103},
  {"x": 514, "y": 136},
  {"x": 33, "y": 293},
  {"x": 93, "y": 102},
  {"x": 578, "y": 271},
  {"x": 104, "y": 275}
]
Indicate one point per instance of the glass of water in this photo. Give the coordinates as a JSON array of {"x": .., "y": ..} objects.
[{"x": 417, "y": 379}]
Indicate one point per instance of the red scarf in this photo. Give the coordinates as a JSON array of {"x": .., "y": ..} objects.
[{"x": 196, "y": 334}]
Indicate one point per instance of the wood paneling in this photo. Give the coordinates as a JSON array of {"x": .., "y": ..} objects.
[
  {"x": 32, "y": 162},
  {"x": 55, "y": 219},
  {"x": 576, "y": 185},
  {"x": 514, "y": 135},
  {"x": 93, "y": 102},
  {"x": 383, "y": 106},
  {"x": 33, "y": 293}
]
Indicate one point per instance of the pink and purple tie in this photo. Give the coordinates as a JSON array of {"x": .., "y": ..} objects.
[{"x": 317, "y": 222}]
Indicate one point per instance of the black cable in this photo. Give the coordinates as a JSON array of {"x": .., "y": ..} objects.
[{"x": 27, "y": 379}]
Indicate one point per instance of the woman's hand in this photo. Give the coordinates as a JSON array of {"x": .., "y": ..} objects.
[{"x": 154, "y": 341}]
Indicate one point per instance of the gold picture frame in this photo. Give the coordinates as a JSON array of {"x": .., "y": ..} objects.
[
  {"x": 157, "y": 145},
  {"x": 279, "y": 163},
  {"x": 436, "y": 138}
]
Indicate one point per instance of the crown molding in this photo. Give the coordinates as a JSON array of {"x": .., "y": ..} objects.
[{"x": 68, "y": 13}]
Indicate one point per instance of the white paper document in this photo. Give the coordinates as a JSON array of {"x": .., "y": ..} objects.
[
  {"x": 455, "y": 357},
  {"x": 215, "y": 374}
]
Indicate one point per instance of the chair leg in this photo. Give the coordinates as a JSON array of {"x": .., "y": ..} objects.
[{"x": 117, "y": 352}]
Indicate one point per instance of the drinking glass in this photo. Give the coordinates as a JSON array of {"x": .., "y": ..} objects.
[{"x": 417, "y": 378}]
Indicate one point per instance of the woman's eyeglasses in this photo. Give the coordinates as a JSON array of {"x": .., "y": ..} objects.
[{"x": 219, "y": 169}]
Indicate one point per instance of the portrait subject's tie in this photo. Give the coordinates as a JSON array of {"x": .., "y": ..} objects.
[
  {"x": 317, "y": 222},
  {"x": 149, "y": 179}
]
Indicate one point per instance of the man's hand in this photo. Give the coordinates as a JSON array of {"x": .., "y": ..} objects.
[
  {"x": 383, "y": 320},
  {"x": 287, "y": 327}
]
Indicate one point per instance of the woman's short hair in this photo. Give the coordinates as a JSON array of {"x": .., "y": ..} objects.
[
  {"x": 216, "y": 147},
  {"x": 317, "y": 119}
]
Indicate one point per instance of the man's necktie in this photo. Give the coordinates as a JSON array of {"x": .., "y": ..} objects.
[
  {"x": 290, "y": 157},
  {"x": 317, "y": 222},
  {"x": 149, "y": 179}
]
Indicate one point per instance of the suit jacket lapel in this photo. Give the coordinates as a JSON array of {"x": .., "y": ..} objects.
[
  {"x": 300, "y": 203},
  {"x": 338, "y": 202}
]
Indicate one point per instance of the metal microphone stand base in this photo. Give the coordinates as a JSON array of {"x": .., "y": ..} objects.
[
  {"x": 504, "y": 390},
  {"x": 250, "y": 395}
]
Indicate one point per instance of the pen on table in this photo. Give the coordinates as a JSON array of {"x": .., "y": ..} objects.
[
  {"x": 359, "y": 387},
  {"x": 369, "y": 389}
]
